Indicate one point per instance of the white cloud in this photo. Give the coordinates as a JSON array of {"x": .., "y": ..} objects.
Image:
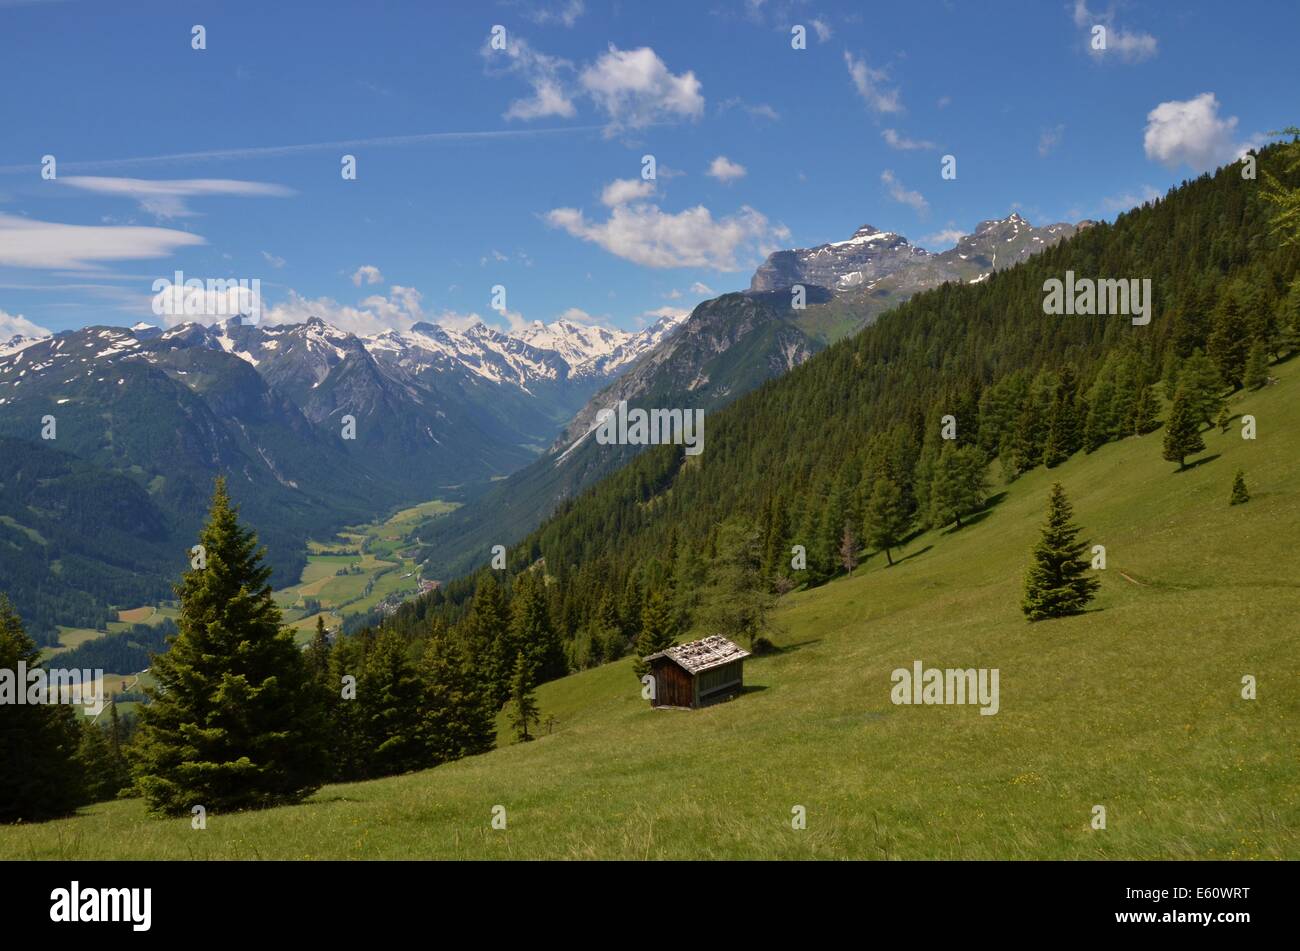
[
  {"x": 398, "y": 310},
  {"x": 1191, "y": 133},
  {"x": 646, "y": 235},
  {"x": 273, "y": 260},
  {"x": 699, "y": 287},
  {"x": 758, "y": 111},
  {"x": 544, "y": 73},
  {"x": 576, "y": 315},
  {"x": 635, "y": 88},
  {"x": 1049, "y": 139},
  {"x": 623, "y": 190},
  {"x": 725, "y": 170},
  {"x": 166, "y": 199},
  {"x": 943, "y": 237},
  {"x": 870, "y": 85},
  {"x": 565, "y": 13},
  {"x": 42, "y": 244},
  {"x": 11, "y": 324},
  {"x": 905, "y": 196},
  {"x": 1130, "y": 46},
  {"x": 822, "y": 29},
  {"x": 903, "y": 143},
  {"x": 367, "y": 274}
]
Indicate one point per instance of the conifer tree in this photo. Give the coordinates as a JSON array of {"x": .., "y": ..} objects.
[
  {"x": 390, "y": 695},
  {"x": 1182, "y": 431},
  {"x": 959, "y": 485},
  {"x": 230, "y": 724},
  {"x": 886, "y": 517},
  {"x": 317, "y": 653},
  {"x": 658, "y": 630},
  {"x": 531, "y": 631},
  {"x": 1239, "y": 493},
  {"x": 1224, "y": 419},
  {"x": 1256, "y": 373},
  {"x": 348, "y": 745},
  {"x": 458, "y": 718},
  {"x": 486, "y": 630},
  {"x": 1145, "y": 419},
  {"x": 523, "y": 705},
  {"x": 1204, "y": 388},
  {"x": 40, "y": 777},
  {"x": 1056, "y": 583},
  {"x": 105, "y": 769},
  {"x": 1288, "y": 320},
  {"x": 737, "y": 602}
]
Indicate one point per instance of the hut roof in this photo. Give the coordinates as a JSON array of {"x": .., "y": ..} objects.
[{"x": 704, "y": 654}]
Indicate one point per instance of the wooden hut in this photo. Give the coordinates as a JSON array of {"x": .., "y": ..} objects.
[{"x": 701, "y": 672}]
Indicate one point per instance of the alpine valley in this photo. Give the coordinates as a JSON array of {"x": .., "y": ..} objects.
[{"x": 110, "y": 439}]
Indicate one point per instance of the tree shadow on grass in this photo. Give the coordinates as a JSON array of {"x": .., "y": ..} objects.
[
  {"x": 1198, "y": 462},
  {"x": 910, "y": 555},
  {"x": 789, "y": 648}
]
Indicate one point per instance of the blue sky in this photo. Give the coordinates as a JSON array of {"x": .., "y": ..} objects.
[{"x": 479, "y": 167}]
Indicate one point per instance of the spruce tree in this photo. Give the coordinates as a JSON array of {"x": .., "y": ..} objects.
[
  {"x": 317, "y": 653},
  {"x": 40, "y": 776},
  {"x": 523, "y": 705},
  {"x": 737, "y": 601},
  {"x": 1204, "y": 388},
  {"x": 348, "y": 746},
  {"x": 1239, "y": 493},
  {"x": 1256, "y": 373},
  {"x": 1224, "y": 419},
  {"x": 532, "y": 632},
  {"x": 390, "y": 696},
  {"x": 487, "y": 632},
  {"x": 1145, "y": 419},
  {"x": 231, "y": 723},
  {"x": 886, "y": 519},
  {"x": 658, "y": 630},
  {"x": 458, "y": 717},
  {"x": 1057, "y": 583},
  {"x": 1182, "y": 431}
]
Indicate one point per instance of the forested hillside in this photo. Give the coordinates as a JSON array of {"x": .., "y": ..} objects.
[{"x": 798, "y": 460}]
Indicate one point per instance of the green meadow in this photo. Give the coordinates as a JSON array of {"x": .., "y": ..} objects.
[{"x": 1135, "y": 706}]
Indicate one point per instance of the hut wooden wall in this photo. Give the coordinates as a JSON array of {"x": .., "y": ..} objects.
[{"x": 673, "y": 686}]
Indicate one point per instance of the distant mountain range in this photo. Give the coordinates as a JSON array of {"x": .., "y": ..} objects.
[
  {"x": 147, "y": 417},
  {"x": 727, "y": 347}
]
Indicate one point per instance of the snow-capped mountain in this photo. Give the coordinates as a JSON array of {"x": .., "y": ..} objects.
[{"x": 881, "y": 260}]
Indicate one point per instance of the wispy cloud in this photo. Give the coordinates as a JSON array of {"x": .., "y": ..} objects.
[
  {"x": 903, "y": 195},
  {"x": 1049, "y": 139},
  {"x": 48, "y": 245},
  {"x": 870, "y": 84},
  {"x": 367, "y": 274},
  {"x": 166, "y": 198},
  {"x": 274, "y": 151},
  {"x": 902, "y": 143},
  {"x": 1129, "y": 46}
]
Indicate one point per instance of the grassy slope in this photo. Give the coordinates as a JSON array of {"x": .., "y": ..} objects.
[{"x": 1135, "y": 706}]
